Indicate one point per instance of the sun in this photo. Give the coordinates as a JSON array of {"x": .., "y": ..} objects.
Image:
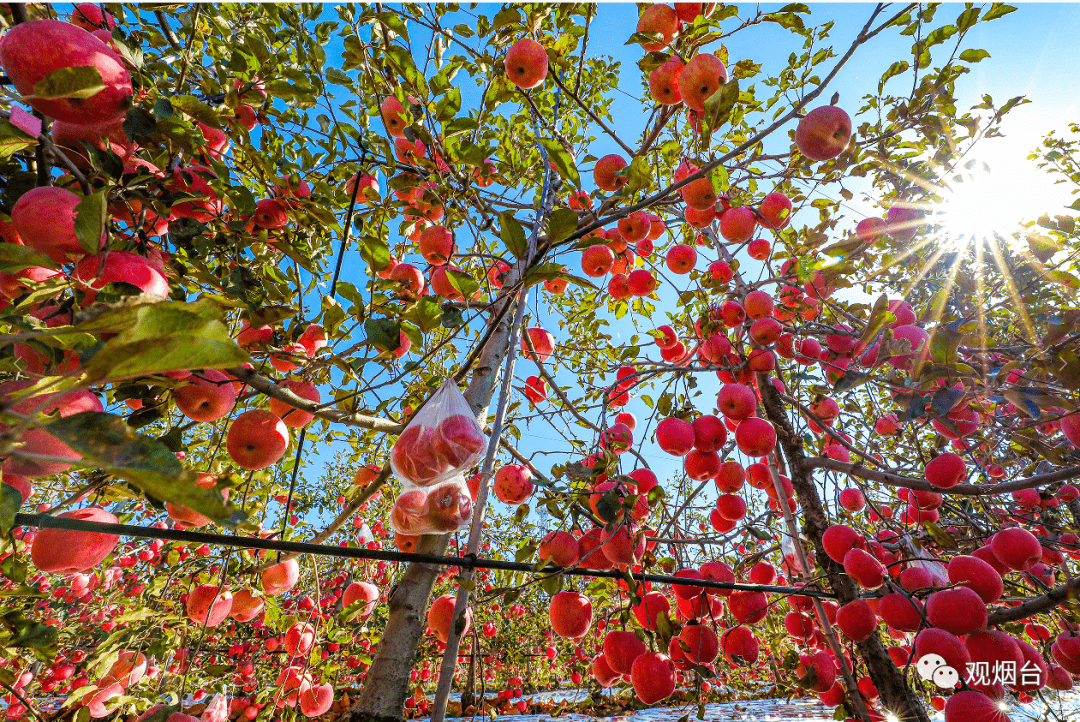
[
  {"x": 979, "y": 205},
  {"x": 991, "y": 197}
]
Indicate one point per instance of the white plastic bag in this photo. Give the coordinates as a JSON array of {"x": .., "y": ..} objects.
[
  {"x": 445, "y": 508},
  {"x": 440, "y": 443}
]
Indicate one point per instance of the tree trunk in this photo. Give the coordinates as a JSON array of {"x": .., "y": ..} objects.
[
  {"x": 896, "y": 695},
  {"x": 386, "y": 686}
]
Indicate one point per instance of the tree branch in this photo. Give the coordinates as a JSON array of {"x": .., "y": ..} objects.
[{"x": 910, "y": 482}]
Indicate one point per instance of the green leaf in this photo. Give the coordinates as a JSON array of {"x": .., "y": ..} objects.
[
  {"x": 561, "y": 224},
  {"x": 879, "y": 318},
  {"x": 512, "y": 234},
  {"x": 12, "y": 139},
  {"x": 426, "y": 314},
  {"x": 25, "y": 633},
  {"x": 15, "y": 258},
  {"x": 720, "y": 180},
  {"x": 553, "y": 584},
  {"x": 108, "y": 443},
  {"x": 944, "y": 342},
  {"x": 900, "y": 66},
  {"x": 967, "y": 18},
  {"x": 158, "y": 337},
  {"x": 139, "y": 124},
  {"x": 541, "y": 273},
  {"x": 465, "y": 284},
  {"x": 1063, "y": 278},
  {"x": 719, "y": 105},
  {"x": 974, "y": 56},
  {"x": 639, "y": 175},
  {"x": 79, "y": 81},
  {"x": 14, "y": 567},
  {"x": 998, "y": 10},
  {"x": 939, "y": 35},
  {"x": 10, "y": 501},
  {"x": 561, "y": 159},
  {"x": 448, "y": 105},
  {"x": 383, "y": 333},
  {"x": 785, "y": 20},
  {"x": 90, "y": 221},
  {"x": 197, "y": 109},
  {"x": 851, "y": 379},
  {"x": 940, "y": 536}
]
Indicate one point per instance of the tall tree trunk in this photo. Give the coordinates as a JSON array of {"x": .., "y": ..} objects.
[
  {"x": 386, "y": 686},
  {"x": 895, "y": 693}
]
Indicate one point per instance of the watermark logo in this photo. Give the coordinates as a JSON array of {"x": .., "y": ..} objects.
[{"x": 933, "y": 668}]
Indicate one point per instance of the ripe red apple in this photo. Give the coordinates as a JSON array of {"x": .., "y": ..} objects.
[
  {"x": 570, "y": 614},
  {"x": 664, "y": 82},
  {"x": 316, "y": 700},
  {"x": 45, "y": 219},
  {"x": 361, "y": 592},
  {"x": 209, "y": 604},
  {"x": 675, "y": 436},
  {"x": 63, "y": 551},
  {"x": 246, "y": 606},
  {"x": 946, "y": 470},
  {"x": 737, "y": 225},
  {"x": 70, "y": 137},
  {"x": 641, "y": 282},
  {"x": 701, "y": 77},
  {"x": 441, "y": 613},
  {"x": 1017, "y": 548},
  {"x": 603, "y": 673},
  {"x": 597, "y": 261},
  {"x": 681, "y": 258},
  {"x": 31, "y": 50},
  {"x": 257, "y": 439},
  {"x": 458, "y": 440},
  {"x": 526, "y": 63},
  {"x": 902, "y": 222},
  {"x": 604, "y": 173},
  {"x": 290, "y": 416},
  {"x": 775, "y": 209},
  {"x": 736, "y": 401},
  {"x": 869, "y": 230},
  {"x": 280, "y": 578},
  {"x": 748, "y": 607},
  {"x": 207, "y": 396},
  {"x": 436, "y": 245},
  {"x": 513, "y": 484},
  {"x": 856, "y": 620},
  {"x": 391, "y": 111},
  {"x": 823, "y": 133},
  {"x": 542, "y": 342},
  {"x": 662, "y": 19},
  {"x": 978, "y": 575},
  {"x": 39, "y": 441},
  {"x": 740, "y": 646},
  {"x": 299, "y": 639},
  {"x": 699, "y": 194}
]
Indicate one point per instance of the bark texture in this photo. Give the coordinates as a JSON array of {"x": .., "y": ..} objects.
[
  {"x": 386, "y": 686},
  {"x": 896, "y": 695}
]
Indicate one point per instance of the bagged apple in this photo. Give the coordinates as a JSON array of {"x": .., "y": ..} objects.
[
  {"x": 439, "y": 510},
  {"x": 441, "y": 442}
]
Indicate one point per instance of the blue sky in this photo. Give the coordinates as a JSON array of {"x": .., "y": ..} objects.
[{"x": 1032, "y": 53}]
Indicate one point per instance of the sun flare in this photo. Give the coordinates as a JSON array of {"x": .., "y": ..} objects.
[{"x": 992, "y": 197}]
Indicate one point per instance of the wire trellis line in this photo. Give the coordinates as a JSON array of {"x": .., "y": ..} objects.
[{"x": 45, "y": 521}]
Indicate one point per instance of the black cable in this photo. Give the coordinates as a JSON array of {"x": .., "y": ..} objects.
[{"x": 45, "y": 521}]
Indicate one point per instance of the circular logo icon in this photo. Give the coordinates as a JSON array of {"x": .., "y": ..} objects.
[{"x": 927, "y": 664}]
